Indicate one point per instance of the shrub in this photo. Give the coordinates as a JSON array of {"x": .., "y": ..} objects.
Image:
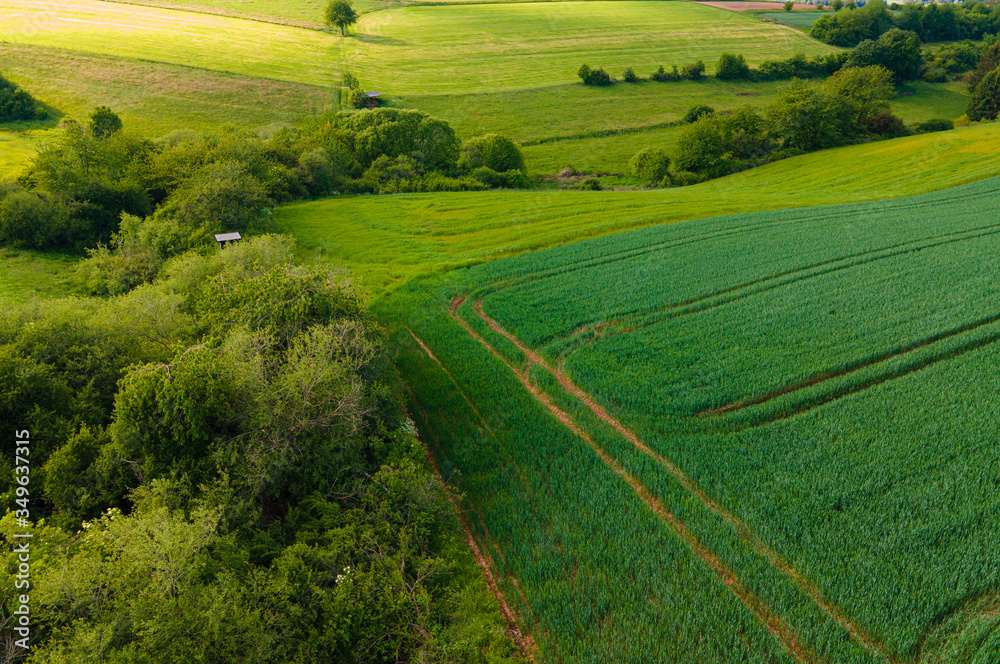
[
  {"x": 513, "y": 179},
  {"x": 351, "y": 81},
  {"x": 789, "y": 4},
  {"x": 732, "y": 67},
  {"x": 694, "y": 72},
  {"x": 884, "y": 123},
  {"x": 494, "y": 151},
  {"x": 685, "y": 178},
  {"x": 16, "y": 104},
  {"x": 662, "y": 76},
  {"x": 591, "y": 184},
  {"x": 629, "y": 75},
  {"x": 593, "y": 76},
  {"x": 650, "y": 164},
  {"x": 104, "y": 122},
  {"x": 360, "y": 99},
  {"x": 936, "y": 124},
  {"x": 120, "y": 268},
  {"x": 33, "y": 220},
  {"x": 696, "y": 112}
]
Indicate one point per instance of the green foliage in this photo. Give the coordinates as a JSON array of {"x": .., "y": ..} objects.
[
  {"x": 131, "y": 260},
  {"x": 936, "y": 124},
  {"x": 988, "y": 61},
  {"x": 351, "y": 81},
  {"x": 104, "y": 122},
  {"x": 17, "y": 104},
  {"x": 494, "y": 151},
  {"x": 696, "y": 112},
  {"x": 629, "y": 76},
  {"x": 732, "y": 67},
  {"x": 650, "y": 164},
  {"x": 693, "y": 72},
  {"x": 663, "y": 76},
  {"x": 789, "y": 5},
  {"x": 393, "y": 133},
  {"x": 985, "y": 101},
  {"x": 852, "y": 27},
  {"x": 591, "y": 184},
  {"x": 593, "y": 76},
  {"x": 341, "y": 14},
  {"x": 896, "y": 50},
  {"x": 360, "y": 99},
  {"x": 32, "y": 220}
]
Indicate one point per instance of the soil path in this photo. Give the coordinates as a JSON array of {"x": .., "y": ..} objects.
[
  {"x": 742, "y": 530},
  {"x": 772, "y": 621}
]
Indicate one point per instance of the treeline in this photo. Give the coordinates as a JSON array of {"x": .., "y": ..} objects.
[
  {"x": 930, "y": 22},
  {"x": 896, "y": 50},
  {"x": 221, "y": 463},
  {"x": 186, "y": 186},
  {"x": 850, "y": 106}
]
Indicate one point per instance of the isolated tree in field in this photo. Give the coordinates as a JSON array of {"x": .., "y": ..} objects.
[
  {"x": 341, "y": 14},
  {"x": 104, "y": 122},
  {"x": 837, "y": 5},
  {"x": 789, "y": 4}
]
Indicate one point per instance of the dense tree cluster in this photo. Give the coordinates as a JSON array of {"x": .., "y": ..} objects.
[
  {"x": 224, "y": 465},
  {"x": 186, "y": 186},
  {"x": 930, "y": 22},
  {"x": 851, "y": 105}
]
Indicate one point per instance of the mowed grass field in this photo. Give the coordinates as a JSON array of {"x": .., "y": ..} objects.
[
  {"x": 413, "y": 50},
  {"x": 388, "y": 240},
  {"x": 802, "y": 402},
  {"x": 30, "y": 275}
]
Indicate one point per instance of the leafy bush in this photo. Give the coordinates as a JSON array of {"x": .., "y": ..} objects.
[
  {"x": 593, "y": 76},
  {"x": 512, "y": 179},
  {"x": 685, "y": 178},
  {"x": 694, "y": 72},
  {"x": 34, "y": 220},
  {"x": 696, "y": 112},
  {"x": 662, "y": 76},
  {"x": 394, "y": 132},
  {"x": 732, "y": 67},
  {"x": 629, "y": 75},
  {"x": 935, "y": 124},
  {"x": 104, "y": 122},
  {"x": 591, "y": 184},
  {"x": 884, "y": 123},
  {"x": 650, "y": 164},
  {"x": 16, "y": 104},
  {"x": 494, "y": 151}
]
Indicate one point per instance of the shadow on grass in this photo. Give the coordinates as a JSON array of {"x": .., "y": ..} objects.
[
  {"x": 378, "y": 39},
  {"x": 51, "y": 120}
]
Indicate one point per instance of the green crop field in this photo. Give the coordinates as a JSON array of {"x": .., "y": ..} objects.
[
  {"x": 771, "y": 387},
  {"x": 387, "y": 240}
]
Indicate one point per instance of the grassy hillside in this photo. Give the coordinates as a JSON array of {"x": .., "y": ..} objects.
[
  {"x": 412, "y": 50},
  {"x": 849, "y": 523},
  {"x": 387, "y": 240}
]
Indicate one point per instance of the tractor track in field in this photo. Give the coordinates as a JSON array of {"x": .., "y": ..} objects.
[
  {"x": 697, "y": 238},
  {"x": 865, "y": 384},
  {"x": 524, "y": 642},
  {"x": 771, "y": 620},
  {"x": 719, "y": 298},
  {"x": 743, "y": 531}
]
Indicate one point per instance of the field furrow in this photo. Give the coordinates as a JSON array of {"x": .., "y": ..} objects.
[
  {"x": 754, "y": 541},
  {"x": 775, "y": 625}
]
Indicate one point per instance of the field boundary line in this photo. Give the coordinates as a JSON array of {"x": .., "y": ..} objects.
[
  {"x": 522, "y": 637},
  {"x": 775, "y": 625},
  {"x": 744, "y": 532},
  {"x": 260, "y": 18}
]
